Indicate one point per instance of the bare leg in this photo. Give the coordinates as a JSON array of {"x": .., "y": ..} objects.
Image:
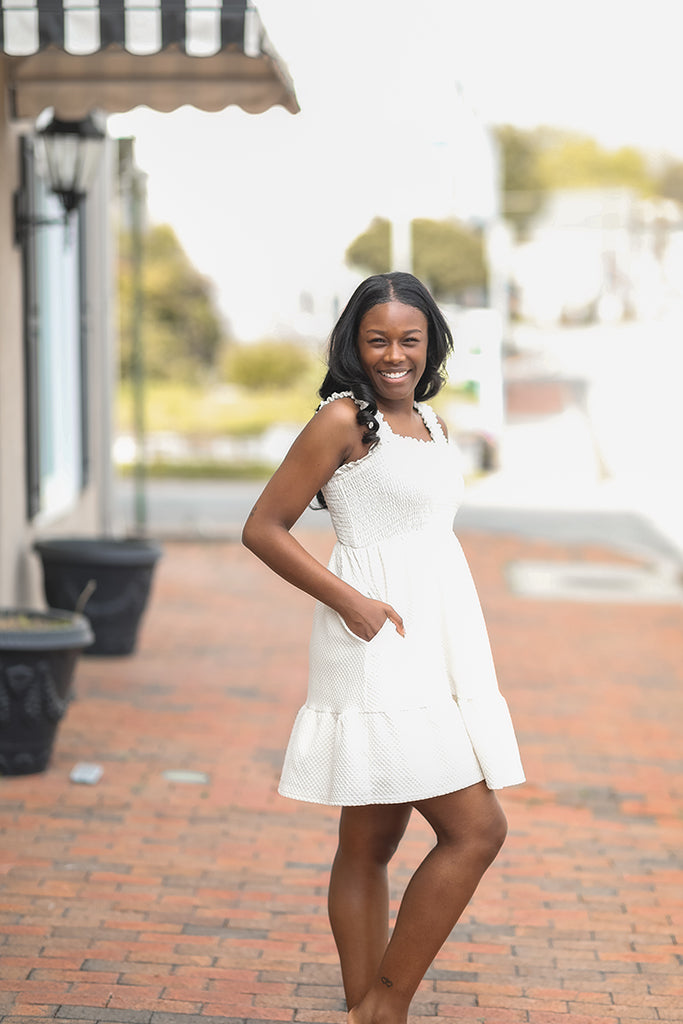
[
  {"x": 359, "y": 892},
  {"x": 470, "y": 828}
]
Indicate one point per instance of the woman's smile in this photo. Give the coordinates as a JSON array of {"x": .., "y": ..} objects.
[{"x": 392, "y": 347}]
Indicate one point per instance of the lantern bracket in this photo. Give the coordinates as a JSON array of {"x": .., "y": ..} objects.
[
  {"x": 69, "y": 153},
  {"x": 25, "y": 222}
]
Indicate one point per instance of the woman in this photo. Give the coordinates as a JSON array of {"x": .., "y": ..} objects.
[{"x": 403, "y": 708}]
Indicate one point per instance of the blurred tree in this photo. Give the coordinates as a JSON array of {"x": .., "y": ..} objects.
[
  {"x": 578, "y": 161},
  {"x": 181, "y": 330},
  {"x": 371, "y": 251},
  {"x": 266, "y": 365},
  {"x": 522, "y": 186},
  {"x": 447, "y": 255},
  {"x": 670, "y": 181}
]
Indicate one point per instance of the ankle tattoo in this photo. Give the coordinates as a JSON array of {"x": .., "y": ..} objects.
[{"x": 387, "y": 981}]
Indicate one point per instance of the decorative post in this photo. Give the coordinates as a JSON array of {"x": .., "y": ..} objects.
[{"x": 134, "y": 194}]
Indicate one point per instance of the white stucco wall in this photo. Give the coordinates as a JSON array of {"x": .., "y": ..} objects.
[
  {"x": 12, "y": 451},
  {"x": 19, "y": 567}
]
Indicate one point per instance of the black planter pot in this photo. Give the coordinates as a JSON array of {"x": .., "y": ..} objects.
[
  {"x": 38, "y": 654},
  {"x": 117, "y": 576}
]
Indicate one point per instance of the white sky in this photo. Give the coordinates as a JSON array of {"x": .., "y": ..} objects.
[{"x": 266, "y": 205}]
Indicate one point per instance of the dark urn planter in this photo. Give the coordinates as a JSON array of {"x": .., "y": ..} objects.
[
  {"x": 38, "y": 654},
  {"x": 107, "y": 579}
]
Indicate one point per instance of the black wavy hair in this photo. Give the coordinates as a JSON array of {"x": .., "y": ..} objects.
[{"x": 345, "y": 372}]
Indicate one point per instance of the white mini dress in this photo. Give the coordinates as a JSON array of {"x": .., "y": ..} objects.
[{"x": 400, "y": 719}]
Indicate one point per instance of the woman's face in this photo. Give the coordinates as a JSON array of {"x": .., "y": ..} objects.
[{"x": 392, "y": 347}]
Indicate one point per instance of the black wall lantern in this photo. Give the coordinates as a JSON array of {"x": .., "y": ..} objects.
[{"x": 67, "y": 155}]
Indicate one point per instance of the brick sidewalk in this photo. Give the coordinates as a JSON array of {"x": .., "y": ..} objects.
[{"x": 148, "y": 901}]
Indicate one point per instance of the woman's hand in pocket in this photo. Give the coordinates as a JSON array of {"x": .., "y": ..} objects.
[{"x": 366, "y": 617}]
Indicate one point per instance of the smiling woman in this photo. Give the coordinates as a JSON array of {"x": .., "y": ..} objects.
[
  {"x": 392, "y": 347},
  {"x": 391, "y": 324},
  {"x": 403, "y": 709}
]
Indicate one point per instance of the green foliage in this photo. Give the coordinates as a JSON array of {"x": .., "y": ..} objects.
[
  {"x": 447, "y": 256},
  {"x": 670, "y": 182},
  {"x": 203, "y": 470},
  {"x": 544, "y": 159},
  {"x": 201, "y": 411},
  {"x": 577, "y": 161},
  {"x": 180, "y": 329},
  {"x": 521, "y": 181},
  {"x": 371, "y": 251},
  {"x": 267, "y": 365}
]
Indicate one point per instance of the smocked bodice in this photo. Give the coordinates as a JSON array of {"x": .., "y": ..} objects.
[{"x": 400, "y": 486}]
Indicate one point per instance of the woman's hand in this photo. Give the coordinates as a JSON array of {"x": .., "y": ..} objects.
[{"x": 366, "y": 617}]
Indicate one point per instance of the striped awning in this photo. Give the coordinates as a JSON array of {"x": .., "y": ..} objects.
[{"x": 112, "y": 55}]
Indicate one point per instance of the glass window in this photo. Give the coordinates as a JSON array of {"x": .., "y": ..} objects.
[{"x": 53, "y": 260}]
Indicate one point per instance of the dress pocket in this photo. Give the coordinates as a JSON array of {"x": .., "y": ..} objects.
[
  {"x": 382, "y": 628},
  {"x": 392, "y": 678}
]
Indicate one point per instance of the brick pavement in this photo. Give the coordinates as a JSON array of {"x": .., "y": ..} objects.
[{"x": 146, "y": 901}]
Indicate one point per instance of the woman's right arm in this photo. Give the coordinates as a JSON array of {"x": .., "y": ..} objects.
[{"x": 328, "y": 440}]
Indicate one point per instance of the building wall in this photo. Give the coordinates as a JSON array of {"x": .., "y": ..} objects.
[
  {"x": 90, "y": 514},
  {"x": 12, "y": 451}
]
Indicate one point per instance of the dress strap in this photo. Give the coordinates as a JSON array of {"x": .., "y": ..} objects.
[
  {"x": 431, "y": 421},
  {"x": 344, "y": 394}
]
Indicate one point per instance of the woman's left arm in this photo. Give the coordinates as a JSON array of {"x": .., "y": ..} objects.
[{"x": 319, "y": 450}]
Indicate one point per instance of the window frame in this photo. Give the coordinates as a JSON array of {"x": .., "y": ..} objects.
[{"x": 32, "y": 313}]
